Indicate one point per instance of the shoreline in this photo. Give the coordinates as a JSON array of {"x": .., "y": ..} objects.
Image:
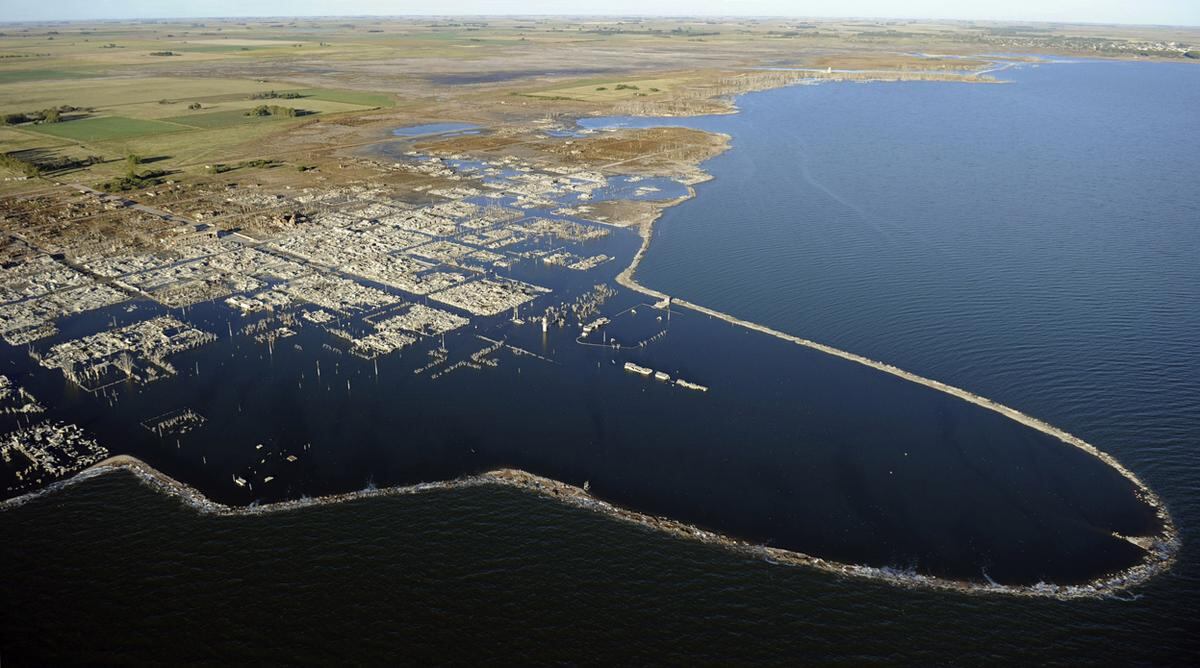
[
  {"x": 1160, "y": 550},
  {"x": 577, "y": 497}
]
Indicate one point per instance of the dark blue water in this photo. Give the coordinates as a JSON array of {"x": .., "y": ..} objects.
[
  {"x": 1032, "y": 242},
  {"x": 1035, "y": 242},
  {"x": 790, "y": 447}
]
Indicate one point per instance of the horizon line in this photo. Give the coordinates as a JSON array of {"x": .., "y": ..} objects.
[{"x": 819, "y": 18}]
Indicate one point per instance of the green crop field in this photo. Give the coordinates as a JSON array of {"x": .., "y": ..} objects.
[
  {"x": 350, "y": 97},
  {"x": 17, "y": 76},
  {"x": 106, "y": 128}
]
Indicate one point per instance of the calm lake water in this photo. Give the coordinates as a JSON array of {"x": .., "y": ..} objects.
[
  {"x": 432, "y": 129},
  {"x": 1034, "y": 242}
]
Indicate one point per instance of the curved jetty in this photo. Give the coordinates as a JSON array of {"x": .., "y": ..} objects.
[
  {"x": 1160, "y": 553},
  {"x": 626, "y": 279},
  {"x": 1160, "y": 550}
]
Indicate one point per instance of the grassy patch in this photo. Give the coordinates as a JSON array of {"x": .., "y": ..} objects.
[
  {"x": 17, "y": 76},
  {"x": 350, "y": 97},
  {"x": 205, "y": 146},
  {"x": 106, "y": 128},
  {"x": 12, "y": 139},
  {"x": 16, "y": 165},
  {"x": 110, "y": 94}
]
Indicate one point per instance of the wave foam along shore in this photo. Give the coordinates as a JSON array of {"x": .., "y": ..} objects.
[{"x": 1158, "y": 558}]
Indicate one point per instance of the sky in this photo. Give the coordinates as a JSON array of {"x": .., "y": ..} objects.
[{"x": 1172, "y": 12}]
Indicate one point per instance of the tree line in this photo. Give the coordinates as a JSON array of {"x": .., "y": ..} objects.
[
  {"x": 51, "y": 115},
  {"x": 276, "y": 110},
  {"x": 27, "y": 166},
  {"x": 272, "y": 95}
]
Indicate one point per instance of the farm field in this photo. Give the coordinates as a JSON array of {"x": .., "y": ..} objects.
[
  {"x": 108, "y": 94},
  {"x": 21, "y": 76},
  {"x": 180, "y": 90},
  {"x": 106, "y": 128},
  {"x": 348, "y": 97}
]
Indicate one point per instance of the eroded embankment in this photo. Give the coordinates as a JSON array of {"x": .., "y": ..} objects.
[{"x": 1156, "y": 561}]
